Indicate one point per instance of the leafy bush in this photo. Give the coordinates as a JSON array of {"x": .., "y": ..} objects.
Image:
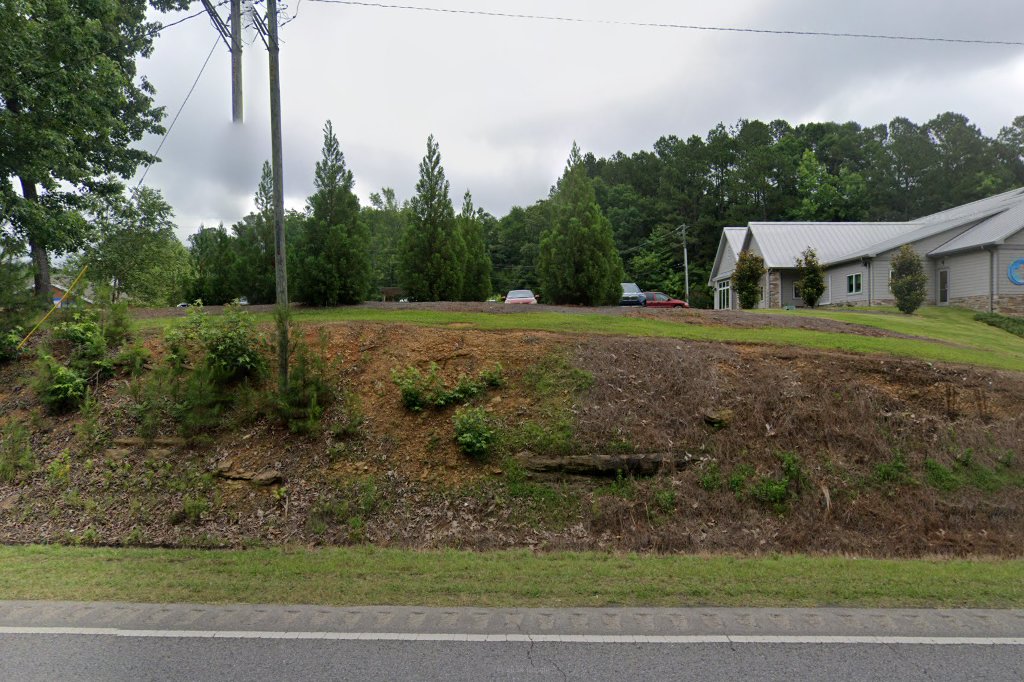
[
  {"x": 746, "y": 278},
  {"x": 60, "y": 388},
  {"x": 810, "y": 277},
  {"x": 908, "y": 284},
  {"x": 16, "y": 454},
  {"x": 234, "y": 349},
  {"x": 9, "y": 340},
  {"x": 420, "y": 391},
  {"x": 473, "y": 432}
]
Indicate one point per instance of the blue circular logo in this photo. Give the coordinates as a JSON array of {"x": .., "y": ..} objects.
[{"x": 1016, "y": 272}]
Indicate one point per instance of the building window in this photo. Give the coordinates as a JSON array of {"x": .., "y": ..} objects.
[
  {"x": 853, "y": 283},
  {"x": 724, "y": 294},
  {"x": 796, "y": 290}
]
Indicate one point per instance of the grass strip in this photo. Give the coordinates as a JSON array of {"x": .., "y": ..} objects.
[
  {"x": 950, "y": 335},
  {"x": 375, "y": 576}
]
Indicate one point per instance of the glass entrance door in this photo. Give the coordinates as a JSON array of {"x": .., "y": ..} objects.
[{"x": 943, "y": 287}]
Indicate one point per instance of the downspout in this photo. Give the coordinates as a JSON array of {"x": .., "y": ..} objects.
[{"x": 991, "y": 280}]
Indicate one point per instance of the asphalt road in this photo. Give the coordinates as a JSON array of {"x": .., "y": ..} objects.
[{"x": 68, "y": 641}]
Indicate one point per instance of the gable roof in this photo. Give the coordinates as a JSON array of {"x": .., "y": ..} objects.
[
  {"x": 994, "y": 230},
  {"x": 782, "y": 243},
  {"x": 732, "y": 238}
]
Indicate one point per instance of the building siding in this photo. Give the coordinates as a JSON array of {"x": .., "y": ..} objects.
[
  {"x": 968, "y": 279},
  {"x": 789, "y": 278},
  {"x": 836, "y": 278},
  {"x": 1009, "y": 296}
]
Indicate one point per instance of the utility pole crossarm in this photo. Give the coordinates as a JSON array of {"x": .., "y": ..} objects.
[{"x": 218, "y": 23}]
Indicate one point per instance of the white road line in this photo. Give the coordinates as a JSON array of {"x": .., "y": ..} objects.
[{"x": 518, "y": 637}]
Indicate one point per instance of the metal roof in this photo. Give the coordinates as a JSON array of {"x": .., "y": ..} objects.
[
  {"x": 735, "y": 236},
  {"x": 977, "y": 209},
  {"x": 782, "y": 243},
  {"x": 994, "y": 230}
]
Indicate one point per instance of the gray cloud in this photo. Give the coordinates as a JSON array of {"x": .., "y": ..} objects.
[{"x": 506, "y": 98}]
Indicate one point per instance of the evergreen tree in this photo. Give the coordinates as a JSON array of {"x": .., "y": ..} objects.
[
  {"x": 908, "y": 284},
  {"x": 746, "y": 278},
  {"x": 810, "y": 277},
  {"x": 213, "y": 257},
  {"x": 255, "y": 271},
  {"x": 385, "y": 219},
  {"x": 578, "y": 260},
  {"x": 332, "y": 256},
  {"x": 476, "y": 285},
  {"x": 433, "y": 251}
]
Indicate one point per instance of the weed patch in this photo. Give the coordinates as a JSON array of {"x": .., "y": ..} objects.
[
  {"x": 421, "y": 391},
  {"x": 474, "y": 432}
]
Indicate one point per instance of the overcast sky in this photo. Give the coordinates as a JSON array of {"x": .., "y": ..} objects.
[{"x": 506, "y": 97}]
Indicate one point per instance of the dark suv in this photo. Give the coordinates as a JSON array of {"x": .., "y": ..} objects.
[{"x": 632, "y": 295}]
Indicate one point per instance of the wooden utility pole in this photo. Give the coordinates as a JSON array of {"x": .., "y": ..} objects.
[
  {"x": 236, "y": 61},
  {"x": 276, "y": 161}
]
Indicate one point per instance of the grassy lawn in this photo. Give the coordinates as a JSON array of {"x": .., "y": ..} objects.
[
  {"x": 371, "y": 576},
  {"x": 949, "y": 335}
]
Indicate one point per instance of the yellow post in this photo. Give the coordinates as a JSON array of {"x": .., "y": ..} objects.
[{"x": 50, "y": 311}]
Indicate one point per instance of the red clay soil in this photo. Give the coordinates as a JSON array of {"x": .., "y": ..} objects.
[{"x": 722, "y": 416}]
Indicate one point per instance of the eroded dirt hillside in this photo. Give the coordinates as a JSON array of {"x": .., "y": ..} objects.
[{"x": 757, "y": 449}]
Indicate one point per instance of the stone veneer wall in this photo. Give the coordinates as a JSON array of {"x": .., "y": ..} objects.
[
  {"x": 979, "y": 303},
  {"x": 1010, "y": 304},
  {"x": 774, "y": 289}
]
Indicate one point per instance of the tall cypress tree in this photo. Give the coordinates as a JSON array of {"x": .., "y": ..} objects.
[
  {"x": 433, "y": 251},
  {"x": 578, "y": 261},
  {"x": 332, "y": 258},
  {"x": 476, "y": 285}
]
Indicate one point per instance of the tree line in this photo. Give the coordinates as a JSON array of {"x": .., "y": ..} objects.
[{"x": 756, "y": 171}]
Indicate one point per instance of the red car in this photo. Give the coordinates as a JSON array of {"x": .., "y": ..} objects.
[{"x": 656, "y": 299}]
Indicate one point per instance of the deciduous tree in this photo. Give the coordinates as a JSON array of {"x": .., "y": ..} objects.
[
  {"x": 810, "y": 277},
  {"x": 746, "y": 278}
]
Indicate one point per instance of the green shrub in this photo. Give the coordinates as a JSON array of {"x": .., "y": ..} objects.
[
  {"x": 192, "y": 510},
  {"x": 309, "y": 388},
  {"x": 665, "y": 500},
  {"x": 493, "y": 377},
  {"x": 116, "y": 323},
  {"x": 774, "y": 492},
  {"x": 1014, "y": 325},
  {"x": 9, "y": 340},
  {"x": 738, "y": 478},
  {"x": 90, "y": 433},
  {"x": 60, "y": 388},
  {"x": 234, "y": 348},
  {"x": 16, "y": 454},
  {"x": 132, "y": 359},
  {"x": 909, "y": 282},
  {"x": 711, "y": 478},
  {"x": 421, "y": 391},
  {"x": 746, "y": 278},
  {"x": 473, "y": 432}
]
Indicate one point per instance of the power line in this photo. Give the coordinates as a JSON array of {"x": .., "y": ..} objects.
[
  {"x": 157, "y": 30},
  {"x": 685, "y": 27},
  {"x": 184, "y": 102}
]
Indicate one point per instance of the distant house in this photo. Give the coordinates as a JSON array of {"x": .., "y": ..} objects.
[
  {"x": 974, "y": 257},
  {"x": 77, "y": 297}
]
